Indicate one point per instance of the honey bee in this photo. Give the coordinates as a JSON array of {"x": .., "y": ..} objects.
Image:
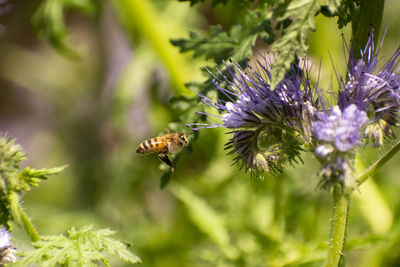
[{"x": 166, "y": 144}]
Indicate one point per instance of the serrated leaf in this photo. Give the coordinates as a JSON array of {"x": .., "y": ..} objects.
[
  {"x": 220, "y": 45},
  {"x": 14, "y": 183},
  {"x": 344, "y": 10},
  {"x": 330, "y": 6},
  {"x": 293, "y": 42},
  {"x": 78, "y": 248},
  {"x": 32, "y": 176}
]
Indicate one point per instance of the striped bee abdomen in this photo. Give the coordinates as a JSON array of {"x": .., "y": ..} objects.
[{"x": 156, "y": 144}]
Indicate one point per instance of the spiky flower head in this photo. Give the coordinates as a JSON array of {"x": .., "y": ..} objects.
[
  {"x": 268, "y": 127},
  {"x": 373, "y": 89}
]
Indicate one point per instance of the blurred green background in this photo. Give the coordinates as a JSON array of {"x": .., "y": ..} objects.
[{"x": 90, "y": 104}]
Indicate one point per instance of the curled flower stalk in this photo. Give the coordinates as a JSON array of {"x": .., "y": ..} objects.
[{"x": 268, "y": 127}]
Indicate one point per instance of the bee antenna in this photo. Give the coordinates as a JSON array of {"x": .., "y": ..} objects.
[{"x": 191, "y": 132}]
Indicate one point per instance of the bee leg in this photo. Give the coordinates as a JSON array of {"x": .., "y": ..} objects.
[{"x": 164, "y": 157}]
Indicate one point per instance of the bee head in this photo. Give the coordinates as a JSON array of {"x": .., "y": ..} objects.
[{"x": 183, "y": 139}]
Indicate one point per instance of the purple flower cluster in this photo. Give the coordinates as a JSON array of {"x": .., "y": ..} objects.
[
  {"x": 339, "y": 128},
  {"x": 373, "y": 90},
  {"x": 269, "y": 127}
]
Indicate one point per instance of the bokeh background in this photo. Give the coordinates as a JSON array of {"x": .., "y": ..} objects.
[{"x": 90, "y": 103}]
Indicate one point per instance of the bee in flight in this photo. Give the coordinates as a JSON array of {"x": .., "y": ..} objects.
[{"x": 164, "y": 145}]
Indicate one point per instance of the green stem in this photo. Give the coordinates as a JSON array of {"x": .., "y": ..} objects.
[
  {"x": 21, "y": 218},
  {"x": 379, "y": 163},
  {"x": 141, "y": 16},
  {"x": 370, "y": 15},
  {"x": 341, "y": 204},
  {"x": 29, "y": 228}
]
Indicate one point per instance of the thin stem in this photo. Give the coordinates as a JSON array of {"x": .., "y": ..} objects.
[
  {"x": 29, "y": 228},
  {"x": 379, "y": 163},
  {"x": 338, "y": 227}
]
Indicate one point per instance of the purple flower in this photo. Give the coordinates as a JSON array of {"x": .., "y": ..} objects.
[
  {"x": 373, "y": 89},
  {"x": 268, "y": 126},
  {"x": 342, "y": 129}
]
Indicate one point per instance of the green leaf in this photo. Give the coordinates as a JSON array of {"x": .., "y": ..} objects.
[
  {"x": 300, "y": 15},
  {"x": 78, "y": 248},
  {"x": 11, "y": 155},
  {"x": 220, "y": 45},
  {"x": 32, "y": 176},
  {"x": 344, "y": 10},
  {"x": 13, "y": 184},
  {"x": 330, "y": 7},
  {"x": 49, "y": 21},
  {"x": 206, "y": 219}
]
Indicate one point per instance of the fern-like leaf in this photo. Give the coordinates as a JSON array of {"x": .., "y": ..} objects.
[
  {"x": 344, "y": 10},
  {"x": 300, "y": 15},
  {"x": 220, "y": 45},
  {"x": 13, "y": 183},
  {"x": 85, "y": 247},
  {"x": 30, "y": 177}
]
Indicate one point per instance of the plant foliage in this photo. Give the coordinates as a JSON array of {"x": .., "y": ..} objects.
[
  {"x": 299, "y": 18},
  {"x": 15, "y": 183},
  {"x": 84, "y": 247},
  {"x": 227, "y": 220},
  {"x": 223, "y": 2},
  {"x": 49, "y": 21},
  {"x": 219, "y": 45}
]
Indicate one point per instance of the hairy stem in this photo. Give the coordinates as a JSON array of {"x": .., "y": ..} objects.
[
  {"x": 341, "y": 204},
  {"x": 21, "y": 218},
  {"x": 29, "y": 228}
]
